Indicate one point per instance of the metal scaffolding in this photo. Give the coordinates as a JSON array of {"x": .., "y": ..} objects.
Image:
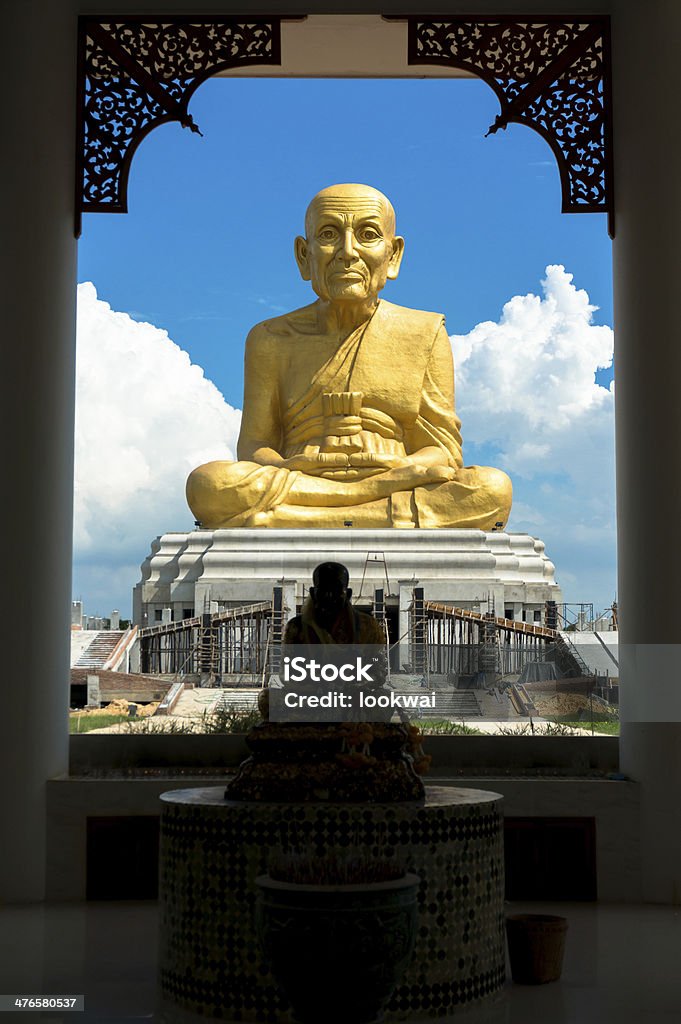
[
  {"x": 231, "y": 642},
  {"x": 462, "y": 642}
]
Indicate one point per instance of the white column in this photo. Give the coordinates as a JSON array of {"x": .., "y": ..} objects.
[
  {"x": 647, "y": 269},
  {"x": 406, "y": 596},
  {"x": 37, "y": 300},
  {"x": 289, "y": 587}
]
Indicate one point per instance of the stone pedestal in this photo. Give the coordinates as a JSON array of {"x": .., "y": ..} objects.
[
  {"x": 212, "y": 850},
  {"x": 207, "y": 570}
]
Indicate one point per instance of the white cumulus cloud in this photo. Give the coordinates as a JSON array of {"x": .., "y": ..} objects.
[
  {"x": 145, "y": 417},
  {"x": 526, "y": 392},
  {"x": 529, "y": 402}
]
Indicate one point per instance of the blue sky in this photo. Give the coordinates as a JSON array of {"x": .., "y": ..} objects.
[{"x": 206, "y": 249}]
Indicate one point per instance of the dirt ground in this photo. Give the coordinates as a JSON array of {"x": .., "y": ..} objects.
[
  {"x": 119, "y": 707},
  {"x": 559, "y": 705}
]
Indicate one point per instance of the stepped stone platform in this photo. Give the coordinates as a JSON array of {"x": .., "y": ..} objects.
[{"x": 208, "y": 570}]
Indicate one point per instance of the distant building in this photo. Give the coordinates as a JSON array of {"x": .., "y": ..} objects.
[{"x": 79, "y": 620}]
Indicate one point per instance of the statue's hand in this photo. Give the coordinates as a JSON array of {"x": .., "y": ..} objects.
[
  {"x": 377, "y": 462},
  {"x": 315, "y": 465},
  {"x": 422, "y": 471}
]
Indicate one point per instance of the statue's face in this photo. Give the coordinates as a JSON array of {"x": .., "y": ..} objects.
[
  {"x": 330, "y": 592},
  {"x": 351, "y": 248}
]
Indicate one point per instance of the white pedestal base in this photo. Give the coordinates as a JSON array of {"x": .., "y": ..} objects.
[{"x": 207, "y": 570}]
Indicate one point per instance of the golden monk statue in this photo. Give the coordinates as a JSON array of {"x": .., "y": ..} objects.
[{"x": 348, "y": 414}]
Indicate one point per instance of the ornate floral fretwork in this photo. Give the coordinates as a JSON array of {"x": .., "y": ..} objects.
[
  {"x": 552, "y": 74},
  {"x": 137, "y": 73}
]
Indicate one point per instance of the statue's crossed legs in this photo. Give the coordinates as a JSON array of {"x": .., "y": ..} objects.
[{"x": 234, "y": 494}]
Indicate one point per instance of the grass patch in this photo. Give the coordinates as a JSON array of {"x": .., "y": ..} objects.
[
  {"x": 547, "y": 728},
  {"x": 562, "y": 728},
  {"x": 444, "y": 727},
  {"x": 85, "y": 723},
  {"x": 610, "y": 728},
  {"x": 224, "y": 721},
  {"x": 164, "y": 726}
]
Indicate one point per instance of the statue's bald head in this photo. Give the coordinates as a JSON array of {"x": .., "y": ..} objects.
[
  {"x": 350, "y": 247},
  {"x": 341, "y": 198}
]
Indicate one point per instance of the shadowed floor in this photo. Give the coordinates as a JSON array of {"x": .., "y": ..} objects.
[{"x": 621, "y": 966}]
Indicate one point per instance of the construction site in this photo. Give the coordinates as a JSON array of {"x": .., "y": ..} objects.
[{"x": 487, "y": 670}]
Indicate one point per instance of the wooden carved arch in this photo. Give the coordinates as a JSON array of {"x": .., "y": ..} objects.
[{"x": 550, "y": 73}]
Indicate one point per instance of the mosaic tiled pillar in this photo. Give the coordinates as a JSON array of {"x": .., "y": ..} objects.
[{"x": 212, "y": 850}]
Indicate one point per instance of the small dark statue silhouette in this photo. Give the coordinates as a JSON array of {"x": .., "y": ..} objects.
[
  {"x": 350, "y": 761},
  {"x": 328, "y": 617}
]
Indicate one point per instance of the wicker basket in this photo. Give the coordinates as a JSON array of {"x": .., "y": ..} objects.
[{"x": 536, "y": 943}]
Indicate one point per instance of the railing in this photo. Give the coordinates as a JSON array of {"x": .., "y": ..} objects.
[
  {"x": 223, "y": 616},
  {"x": 171, "y": 698},
  {"x": 468, "y": 615},
  {"x": 121, "y": 649},
  {"x": 567, "y": 652}
]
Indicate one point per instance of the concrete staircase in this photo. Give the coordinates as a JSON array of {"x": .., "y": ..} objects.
[
  {"x": 237, "y": 700},
  {"x": 456, "y": 704},
  {"x": 100, "y": 650}
]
